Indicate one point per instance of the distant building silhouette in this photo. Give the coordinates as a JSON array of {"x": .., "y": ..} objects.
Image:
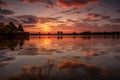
[
  {"x": 39, "y": 33},
  {"x": 48, "y": 33},
  {"x": 74, "y": 33},
  {"x": 59, "y": 32}
]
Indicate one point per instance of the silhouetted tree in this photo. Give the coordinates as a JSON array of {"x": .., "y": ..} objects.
[
  {"x": 12, "y": 27},
  {"x": 1, "y": 27},
  {"x": 1, "y": 24},
  {"x": 8, "y": 29},
  {"x": 11, "y": 30},
  {"x": 20, "y": 28}
]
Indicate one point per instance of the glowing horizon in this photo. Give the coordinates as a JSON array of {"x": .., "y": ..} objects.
[{"x": 50, "y": 16}]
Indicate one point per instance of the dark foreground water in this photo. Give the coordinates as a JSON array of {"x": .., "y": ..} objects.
[{"x": 60, "y": 58}]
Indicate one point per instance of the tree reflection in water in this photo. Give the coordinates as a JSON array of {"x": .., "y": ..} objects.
[
  {"x": 65, "y": 70},
  {"x": 11, "y": 43}
]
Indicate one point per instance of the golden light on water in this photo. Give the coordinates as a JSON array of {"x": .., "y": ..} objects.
[{"x": 46, "y": 41}]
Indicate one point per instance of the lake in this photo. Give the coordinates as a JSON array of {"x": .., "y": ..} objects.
[{"x": 60, "y": 58}]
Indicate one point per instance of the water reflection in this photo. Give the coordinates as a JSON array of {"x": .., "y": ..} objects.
[
  {"x": 8, "y": 48},
  {"x": 8, "y": 43},
  {"x": 3, "y": 64},
  {"x": 65, "y": 70},
  {"x": 60, "y": 58}
]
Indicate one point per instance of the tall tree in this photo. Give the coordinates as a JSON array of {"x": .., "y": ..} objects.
[
  {"x": 12, "y": 27},
  {"x": 1, "y": 27},
  {"x": 20, "y": 28}
]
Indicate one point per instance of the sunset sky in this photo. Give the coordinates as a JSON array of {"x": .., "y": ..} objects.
[{"x": 62, "y": 15}]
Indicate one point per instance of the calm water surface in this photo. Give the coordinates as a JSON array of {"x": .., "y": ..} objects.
[{"x": 60, "y": 58}]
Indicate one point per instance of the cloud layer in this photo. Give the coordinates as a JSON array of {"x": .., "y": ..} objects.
[
  {"x": 62, "y": 3},
  {"x": 6, "y": 12},
  {"x": 34, "y": 2},
  {"x": 27, "y": 19},
  {"x": 5, "y": 19},
  {"x": 74, "y": 3},
  {"x": 63, "y": 14},
  {"x": 2, "y": 3}
]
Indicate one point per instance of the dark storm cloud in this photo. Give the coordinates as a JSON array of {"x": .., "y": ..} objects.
[
  {"x": 1, "y": 17},
  {"x": 72, "y": 21},
  {"x": 94, "y": 15},
  {"x": 74, "y": 3},
  {"x": 8, "y": 19},
  {"x": 48, "y": 19},
  {"x": 118, "y": 11},
  {"x": 25, "y": 16},
  {"x": 30, "y": 26},
  {"x": 28, "y": 19},
  {"x": 2, "y": 3},
  {"x": 6, "y": 12},
  {"x": 89, "y": 8},
  {"x": 13, "y": 20},
  {"x": 67, "y": 11},
  {"x": 48, "y": 2},
  {"x": 90, "y": 20},
  {"x": 31, "y": 19},
  {"x": 116, "y": 20},
  {"x": 105, "y": 17},
  {"x": 34, "y": 2}
]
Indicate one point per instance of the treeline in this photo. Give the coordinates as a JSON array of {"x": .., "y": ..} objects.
[
  {"x": 100, "y": 33},
  {"x": 10, "y": 29}
]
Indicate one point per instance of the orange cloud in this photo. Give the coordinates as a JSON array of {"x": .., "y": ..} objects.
[
  {"x": 66, "y": 64},
  {"x": 74, "y": 3},
  {"x": 90, "y": 53}
]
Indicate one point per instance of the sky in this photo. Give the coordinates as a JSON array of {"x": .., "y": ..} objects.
[{"x": 62, "y": 15}]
